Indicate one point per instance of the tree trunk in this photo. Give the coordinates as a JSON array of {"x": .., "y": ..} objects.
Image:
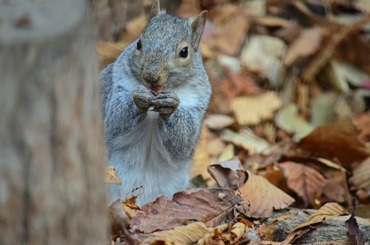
[{"x": 51, "y": 139}]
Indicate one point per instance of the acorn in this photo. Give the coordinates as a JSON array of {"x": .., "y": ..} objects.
[{"x": 157, "y": 89}]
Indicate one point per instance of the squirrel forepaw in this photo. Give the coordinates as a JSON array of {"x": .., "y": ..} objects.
[
  {"x": 142, "y": 98},
  {"x": 165, "y": 103}
]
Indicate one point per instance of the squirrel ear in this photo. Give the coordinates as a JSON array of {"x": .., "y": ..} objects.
[
  {"x": 155, "y": 9},
  {"x": 197, "y": 27}
]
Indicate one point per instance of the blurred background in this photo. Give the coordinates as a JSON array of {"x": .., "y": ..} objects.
[{"x": 280, "y": 69}]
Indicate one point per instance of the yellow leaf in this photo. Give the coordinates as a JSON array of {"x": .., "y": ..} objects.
[
  {"x": 252, "y": 110},
  {"x": 246, "y": 139},
  {"x": 237, "y": 232},
  {"x": 111, "y": 176},
  {"x": 218, "y": 121},
  {"x": 326, "y": 212},
  {"x": 307, "y": 182},
  {"x": 227, "y": 153},
  {"x": 188, "y": 234}
]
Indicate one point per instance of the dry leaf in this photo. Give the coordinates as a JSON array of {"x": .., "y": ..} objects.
[
  {"x": 188, "y": 234},
  {"x": 252, "y": 110},
  {"x": 361, "y": 175},
  {"x": 336, "y": 188},
  {"x": 274, "y": 175},
  {"x": 326, "y": 212},
  {"x": 227, "y": 153},
  {"x": 238, "y": 84},
  {"x": 263, "y": 54},
  {"x": 111, "y": 176},
  {"x": 354, "y": 232},
  {"x": 288, "y": 119},
  {"x": 306, "y": 44},
  {"x": 259, "y": 194},
  {"x": 339, "y": 140},
  {"x": 307, "y": 182},
  {"x": 245, "y": 139},
  {"x": 226, "y": 33},
  {"x": 238, "y": 232},
  {"x": 218, "y": 121},
  {"x": 335, "y": 37},
  {"x": 209, "y": 239},
  {"x": 196, "y": 204},
  {"x": 262, "y": 197},
  {"x": 229, "y": 174}
]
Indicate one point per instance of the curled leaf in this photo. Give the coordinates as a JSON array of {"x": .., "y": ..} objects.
[{"x": 326, "y": 212}]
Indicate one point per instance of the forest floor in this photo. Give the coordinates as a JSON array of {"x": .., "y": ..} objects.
[{"x": 288, "y": 127}]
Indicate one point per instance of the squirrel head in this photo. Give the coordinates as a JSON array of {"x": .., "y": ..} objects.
[{"x": 167, "y": 52}]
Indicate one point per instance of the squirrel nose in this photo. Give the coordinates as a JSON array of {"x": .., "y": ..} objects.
[{"x": 152, "y": 79}]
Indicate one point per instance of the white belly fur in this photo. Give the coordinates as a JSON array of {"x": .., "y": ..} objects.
[{"x": 141, "y": 160}]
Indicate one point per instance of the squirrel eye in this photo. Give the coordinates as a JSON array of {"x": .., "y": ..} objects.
[
  {"x": 138, "y": 44},
  {"x": 184, "y": 52}
]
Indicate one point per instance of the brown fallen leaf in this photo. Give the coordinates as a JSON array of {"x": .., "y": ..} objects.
[
  {"x": 260, "y": 196},
  {"x": 336, "y": 188},
  {"x": 308, "y": 42},
  {"x": 238, "y": 84},
  {"x": 229, "y": 174},
  {"x": 354, "y": 232},
  {"x": 326, "y": 212},
  {"x": 307, "y": 182},
  {"x": 338, "y": 140},
  {"x": 331, "y": 41},
  {"x": 252, "y": 110},
  {"x": 111, "y": 176},
  {"x": 226, "y": 30},
  {"x": 187, "y": 206}
]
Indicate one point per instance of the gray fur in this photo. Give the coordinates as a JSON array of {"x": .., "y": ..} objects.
[{"x": 149, "y": 148}]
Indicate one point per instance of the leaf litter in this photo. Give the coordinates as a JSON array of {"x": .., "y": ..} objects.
[{"x": 289, "y": 107}]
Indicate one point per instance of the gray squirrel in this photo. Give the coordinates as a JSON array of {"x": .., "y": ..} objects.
[{"x": 154, "y": 97}]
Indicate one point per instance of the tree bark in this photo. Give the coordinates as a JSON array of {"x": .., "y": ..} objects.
[
  {"x": 333, "y": 230},
  {"x": 52, "y": 153}
]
